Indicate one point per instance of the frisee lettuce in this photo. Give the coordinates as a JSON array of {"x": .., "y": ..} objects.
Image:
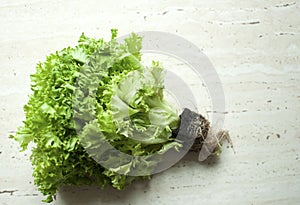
[{"x": 71, "y": 108}]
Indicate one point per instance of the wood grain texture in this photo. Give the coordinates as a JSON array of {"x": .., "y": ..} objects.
[{"x": 254, "y": 46}]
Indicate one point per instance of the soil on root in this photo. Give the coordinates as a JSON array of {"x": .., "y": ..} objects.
[{"x": 198, "y": 136}]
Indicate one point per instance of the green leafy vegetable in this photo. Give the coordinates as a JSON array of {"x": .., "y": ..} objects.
[{"x": 85, "y": 96}]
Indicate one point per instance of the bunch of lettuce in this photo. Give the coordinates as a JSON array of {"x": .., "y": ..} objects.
[{"x": 87, "y": 96}]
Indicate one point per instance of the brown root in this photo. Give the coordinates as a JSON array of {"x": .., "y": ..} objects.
[
  {"x": 207, "y": 141},
  {"x": 212, "y": 145}
]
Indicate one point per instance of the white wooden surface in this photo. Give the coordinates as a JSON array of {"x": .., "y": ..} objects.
[{"x": 255, "y": 48}]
